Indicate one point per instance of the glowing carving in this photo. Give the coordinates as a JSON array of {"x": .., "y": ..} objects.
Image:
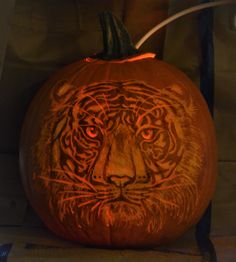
[{"x": 121, "y": 153}]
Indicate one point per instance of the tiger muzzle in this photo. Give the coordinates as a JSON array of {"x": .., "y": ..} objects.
[{"x": 120, "y": 161}]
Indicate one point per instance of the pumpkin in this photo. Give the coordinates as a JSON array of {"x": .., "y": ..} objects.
[{"x": 118, "y": 150}]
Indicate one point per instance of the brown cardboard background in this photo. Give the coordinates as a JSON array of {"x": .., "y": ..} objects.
[
  {"x": 45, "y": 35},
  {"x": 187, "y": 58}
]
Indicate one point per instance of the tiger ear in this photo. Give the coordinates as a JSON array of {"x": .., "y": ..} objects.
[
  {"x": 177, "y": 89},
  {"x": 184, "y": 95},
  {"x": 63, "y": 91}
]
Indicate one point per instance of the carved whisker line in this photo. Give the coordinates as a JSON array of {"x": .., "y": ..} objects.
[
  {"x": 160, "y": 182},
  {"x": 75, "y": 197},
  {"x": 77, "y": 177},
  {"x": 80, "y": 189},
  {"x": 105, "y": 196},
  {"x": 106, "y": 191},
  {"x": 69, "y": 173},
  {"x": 143, "y": 190},
  {"x": 59, "y": 181},
  {"x": 135, "y": 200},
  {"x": 77, "y": 192},
  {"x": 86, "y": 196},
  {"x": 167, "y": 202},
  {"x": 143, "y": 193},
  {"x": 136, "y": 197},
  {"x": 87, "y": 203},
  {"x": 159, "y": 187},
  {"x": 163, "y": 188},
  {"x": 103, "y": 203},
  {"x": 72, "y": 204},
  {"x": 95, "y": 206}
]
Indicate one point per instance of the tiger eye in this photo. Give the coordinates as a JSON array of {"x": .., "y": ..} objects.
[
  {"x": 147, "y": 134},
  {"x": 92, "y": 131}
]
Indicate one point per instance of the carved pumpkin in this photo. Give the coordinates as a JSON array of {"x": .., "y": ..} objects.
[{"x": 118, "y": 150}]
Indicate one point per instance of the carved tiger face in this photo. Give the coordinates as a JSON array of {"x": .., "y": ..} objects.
[{"x": 121, "y": 153}]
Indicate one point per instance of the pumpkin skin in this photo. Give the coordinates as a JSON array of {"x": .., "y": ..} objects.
[{"x": 119, "y": 153}]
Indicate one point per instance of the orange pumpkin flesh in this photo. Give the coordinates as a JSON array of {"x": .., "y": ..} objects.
[{"x": 119, "y": 153}]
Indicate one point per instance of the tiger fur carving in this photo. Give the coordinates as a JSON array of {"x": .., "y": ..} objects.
[{"x": 120, "y": 153}]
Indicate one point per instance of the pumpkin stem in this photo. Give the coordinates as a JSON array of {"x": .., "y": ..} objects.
[{"x": 116, "y": 40}]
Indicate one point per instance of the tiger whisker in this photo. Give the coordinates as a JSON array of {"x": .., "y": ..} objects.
[
  {"x": 106, "y": 192},
  {"x": 77, "y": 177},
  {"x": 169, "y": 187},
  {"x": 135, "y": 198},
  {"x": 165, "y": 201},
  {"x": 83, "y": 187},
  {"x": 165, "y": 179},
  {"x": 71, "y": 174},
  {"x": 75, "y": 197},
  {"x": 87, "y": 203},
  {"x": 159, "y": 183},
  {"x": 60, "y": 181},
  {"x": 78, "y": 192},
  {"x": 138, "y": 190},
  {"x": 134, "y": 201},
  {"x": 95, "y": 206},
  {"x": 134, "y": 193},
  {"x": 103, "y": 203},
  {"x": 104, "y": 196}
]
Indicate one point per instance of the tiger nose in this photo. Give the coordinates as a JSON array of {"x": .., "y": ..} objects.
[{"x": 118, "y": 180}]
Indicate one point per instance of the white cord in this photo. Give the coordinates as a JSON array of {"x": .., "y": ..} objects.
[{"x": 178, "y": 15}]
